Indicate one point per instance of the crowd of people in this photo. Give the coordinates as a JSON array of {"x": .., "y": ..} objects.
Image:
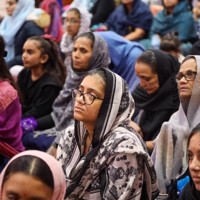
[{"x": 100, "y": 99}]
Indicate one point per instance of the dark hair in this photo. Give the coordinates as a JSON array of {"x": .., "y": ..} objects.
[
  {"x": 170, "y": 43},
  {"x": 187, "y": 58},
  {"x": 4, "y": 72},
  {"x": 194, "y": 131},
  {"x": 75, "y": 10},
  {"x": 148, "y": 57},
  {"x": 88, "y": 35},
  {"x": 54, "y": 64},
  {"x": 30, "y": 165},
  {"x": 99, "y": 72},
  {"x": 195, "y": 50}
]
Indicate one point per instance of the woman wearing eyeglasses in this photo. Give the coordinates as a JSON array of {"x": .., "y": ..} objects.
[
  {"x": 76, "y": 22},
  {"x": 169, "y": 154},
  {"x": 102, "y": 156}
]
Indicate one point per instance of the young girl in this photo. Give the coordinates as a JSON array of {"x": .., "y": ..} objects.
[
  {"x": 10, "y": 111},
  {"x": 32, "y": 175},
  {"x": 40, "y": 81}
]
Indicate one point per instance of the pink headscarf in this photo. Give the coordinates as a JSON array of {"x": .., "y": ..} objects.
[{"x": 57, "y": 172}]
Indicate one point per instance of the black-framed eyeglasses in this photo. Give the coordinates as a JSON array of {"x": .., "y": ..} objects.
[
  {"x": 87, "y": 97},
  {"x": 189, "y": 75}
]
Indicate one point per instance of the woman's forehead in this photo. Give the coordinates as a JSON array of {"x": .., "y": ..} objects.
[{"x": 189, "y": 64}]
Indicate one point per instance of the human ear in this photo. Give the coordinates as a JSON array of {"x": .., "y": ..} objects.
[{"x": 44, "y": 58}]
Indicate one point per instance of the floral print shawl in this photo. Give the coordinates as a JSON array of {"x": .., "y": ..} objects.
[{"x": 117, "y": 167}]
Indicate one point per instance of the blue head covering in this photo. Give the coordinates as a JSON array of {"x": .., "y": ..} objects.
[{"x": 11, "y": 24}]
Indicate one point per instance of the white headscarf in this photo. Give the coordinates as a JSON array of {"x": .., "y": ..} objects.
[
  {"x": 11, "y": 24},
  {"x": 169, "y": 154}
]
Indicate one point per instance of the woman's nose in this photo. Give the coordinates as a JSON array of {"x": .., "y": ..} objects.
[
  {"x": 195, "y": 164},
  {"x": 80, "y": 99},
  {"x": 142, "y": 83}
]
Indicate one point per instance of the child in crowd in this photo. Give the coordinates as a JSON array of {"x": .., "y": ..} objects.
[{"x": 40, "y": 81}]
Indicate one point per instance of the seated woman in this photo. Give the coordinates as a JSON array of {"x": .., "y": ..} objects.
[
  {"x": 174, "y": 19},
  {"x": 156, "y": 97},
  {"x": 132, "y": 20},
  {"x": 40, "y": 81},
  {"x": 10, "y": 111},
  {"x": 102, "y": 156},
  {"x": 90, "y": 52},
  {"x": 76, "y": 22},
  {"x": 192, "y": 189},
  {"x": 123, "y": 58},
  {"x": 169, "y": 154},
  {"x": 16, "y": 29},
  {"x": 32, "y": 175}
]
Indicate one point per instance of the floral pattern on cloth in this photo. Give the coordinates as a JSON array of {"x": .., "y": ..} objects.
[{"x": 7, "y": 95}]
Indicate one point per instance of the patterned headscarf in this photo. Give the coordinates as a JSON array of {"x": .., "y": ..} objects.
[
  {"x": 56, "y": 170},
  {"x": 62, "y": 107},
  {"x": 170, "y": 159},
  {"x": 112, "y": 136}
]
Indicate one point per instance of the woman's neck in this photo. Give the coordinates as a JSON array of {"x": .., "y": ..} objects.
[{"x": 90, "y": 130}]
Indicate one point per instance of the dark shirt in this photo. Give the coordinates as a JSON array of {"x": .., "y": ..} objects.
[
  {"x": 38, "y": 96},
  {"x": 190, "y": 193},
  {"x": 101, "y": 11}
]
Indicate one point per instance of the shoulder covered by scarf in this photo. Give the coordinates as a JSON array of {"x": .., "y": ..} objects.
[
  {"x": 112, "y": 138},
  {"x": 159, "y": 107},
  {"x": 170, "y": 159},
  {"x": 62, "y": 107}
]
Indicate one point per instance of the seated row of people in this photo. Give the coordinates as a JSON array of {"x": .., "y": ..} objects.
[{"x": 95, "y": 147}]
